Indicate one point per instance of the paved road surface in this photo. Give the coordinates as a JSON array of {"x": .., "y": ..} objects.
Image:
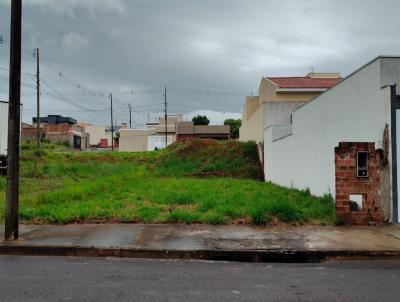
[{"x": 97, "y": 279}]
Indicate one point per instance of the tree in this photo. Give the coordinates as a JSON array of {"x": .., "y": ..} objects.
[
  {"x": 235, "y": 125},
  {"x": 117, "y": 136},
  {"x": 200, "y": 120}
]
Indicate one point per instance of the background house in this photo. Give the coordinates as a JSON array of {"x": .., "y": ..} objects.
[
  {"x": 344, "y": 143},
  {"x": 99, "y": 136},
  {"x": 63, "y": 130},
  {"x": 157, "y": 140},
  {"x": 134, "y": 140},
  {"x": 278, "y": 97},
  {"x": 150, "y": 138},
  {"x": 187, "y": 131}
]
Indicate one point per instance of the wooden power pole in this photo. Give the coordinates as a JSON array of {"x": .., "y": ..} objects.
[
  {"x": 14, "y": 119},
  {"x": 112, "y": 123},
  {"x": 37, "y": 99},
  {"x": 166, "y": 117},
  {"x": 130, "y": 116}
]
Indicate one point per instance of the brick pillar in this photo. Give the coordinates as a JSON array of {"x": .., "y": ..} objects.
[{"x": 347, "y": 183}]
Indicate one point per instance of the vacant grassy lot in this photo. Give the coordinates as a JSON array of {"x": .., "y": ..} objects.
[{"x": 205, "y": 181}]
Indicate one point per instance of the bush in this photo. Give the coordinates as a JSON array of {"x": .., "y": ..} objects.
[
  {"x": 185, "y": 216},
  {"x": 27, "y": 145},
  {"x": 286, "y": 212},
  {"x": 148, "y": 214},
  {"x": 3, "y": 182},
  {"x": 215, "y": 218},
  {"x": 250, "y": 150},
  {"x": 259, "y": 215},
  {"x": 40, "y": 152}
]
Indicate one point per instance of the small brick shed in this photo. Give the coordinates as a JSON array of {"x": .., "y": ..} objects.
[{"x": 351, "y": 185}]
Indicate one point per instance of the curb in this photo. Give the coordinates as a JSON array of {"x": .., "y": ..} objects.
[{"x": 280, "y": 256}]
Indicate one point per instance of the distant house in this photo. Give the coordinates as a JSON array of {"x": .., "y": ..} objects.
[
  {"x": 150, "y": 138},
  {"x": 186, "y": 131},
  {"x": 59, "y": 129},
  {"x": 277, "y": 98},
  {"x": 99, "y": 136},
  {"x": 134, "y": 140},
  {"x": 165, "y": 133}
]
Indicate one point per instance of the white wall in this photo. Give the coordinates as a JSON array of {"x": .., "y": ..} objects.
[
  {"x": 356, "y": 110},
  {"x": 279, "y": 113},
  {"x": 96, "y": 133},
  {"x": 158, "y": 141},
  {"x": 134, "y": 140},
  {"x": 3, "y": 127},
  {"x": 252, "y": 129}
]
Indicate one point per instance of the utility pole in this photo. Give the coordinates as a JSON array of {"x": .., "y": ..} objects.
[
  {"x": 14, "y": 119},
  {"x": 130, "y": 116},
  {"x": 166, "y": 117},
  {"x": 37, "y": 98},
  {"x": 112, "y": 123}
]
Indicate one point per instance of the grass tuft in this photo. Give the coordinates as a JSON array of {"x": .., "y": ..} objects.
[{"x": 185, "y": 216}]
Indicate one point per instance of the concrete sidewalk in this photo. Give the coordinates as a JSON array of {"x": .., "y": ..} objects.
[{"x": 236, "y": 243}]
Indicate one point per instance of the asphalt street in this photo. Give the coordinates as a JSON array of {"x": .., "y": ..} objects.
[{"x": 114, "y": 279}]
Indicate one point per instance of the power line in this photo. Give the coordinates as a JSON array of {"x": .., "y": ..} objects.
[
  {"x": 22, "y": 73},
  {"x": 65, "y": 99},
  {"x": 210, "y": 93},
  {"x": 24, "y": 84}
]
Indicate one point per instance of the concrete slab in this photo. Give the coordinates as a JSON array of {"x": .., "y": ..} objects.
[{"x": 205, "y": 241}]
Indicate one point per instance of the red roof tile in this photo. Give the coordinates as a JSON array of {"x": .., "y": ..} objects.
[{"x": 304, "y": 82}]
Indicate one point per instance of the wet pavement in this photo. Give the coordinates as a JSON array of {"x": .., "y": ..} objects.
[
  {"x": 194, "y": 238},
  {"x": 45, "y": 279}
]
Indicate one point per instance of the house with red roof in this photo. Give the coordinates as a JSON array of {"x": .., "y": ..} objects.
[
  {"x": 277, "y": 98},
  {"x": 343, "y": 143}
]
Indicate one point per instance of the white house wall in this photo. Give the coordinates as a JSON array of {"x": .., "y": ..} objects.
[
  {"x": 279, "y": 113},
  {"x": 96, "y": 134},
  {"x": 252, "y": 129},
  {"x": 356, "y": 110},
  {"x": 3, "y": 127}
]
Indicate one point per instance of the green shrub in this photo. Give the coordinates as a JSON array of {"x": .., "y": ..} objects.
[
  {"x": 27, "y": 145},
  {"x": 259, "y": 215},
  {"x": 148, "y": 214},
  {"x": 3, "y": 182},
  {"x": 250, "y": 150},
  {"x": 215, "y": 218},
  {"x": 286, "y": 211},
  {"x": 40, "y": 152},
  {"x": 179, "y": 215}
]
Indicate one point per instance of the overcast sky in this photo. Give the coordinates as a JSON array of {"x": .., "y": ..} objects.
[{"x": 209, "y": 53}]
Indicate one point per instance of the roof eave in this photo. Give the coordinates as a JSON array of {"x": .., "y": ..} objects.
[
  {"x": 269, "y": 80},
  {"x": 304, "y": 90}
]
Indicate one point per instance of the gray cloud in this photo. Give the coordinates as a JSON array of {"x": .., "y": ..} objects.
[{"x": 197, "y": 48}]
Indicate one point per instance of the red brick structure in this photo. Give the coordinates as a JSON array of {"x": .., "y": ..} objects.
[
  {"x": 28, "y": 132},
  {"x": 66, "y": 133},
  {"x": 103, "y": 143},
  {"x": 356, "y": 183}
]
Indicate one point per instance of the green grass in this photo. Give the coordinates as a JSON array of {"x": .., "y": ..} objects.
[{"x": 202, "y": 182}]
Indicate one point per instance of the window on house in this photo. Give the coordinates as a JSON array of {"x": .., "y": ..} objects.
[{"x": 362, "y": 164}]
